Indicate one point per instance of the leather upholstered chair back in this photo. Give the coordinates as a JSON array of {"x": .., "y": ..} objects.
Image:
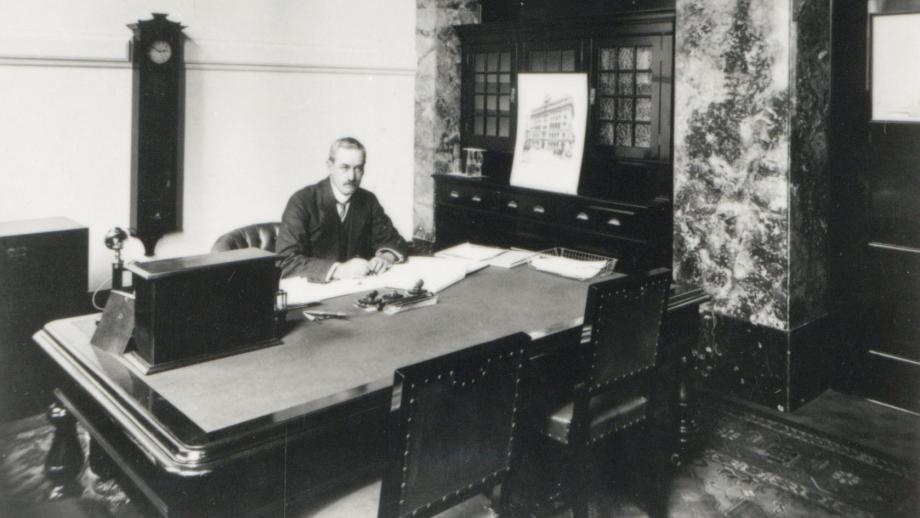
[
  {"x": 623, "y": 323},
  {"x": 259, "y": 235},
  {"x": 452, "y": 427}
]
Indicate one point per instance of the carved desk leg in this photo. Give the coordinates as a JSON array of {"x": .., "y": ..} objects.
[
  {"x": 65, "y": 457},
  {"x": 686, "y": 422}
]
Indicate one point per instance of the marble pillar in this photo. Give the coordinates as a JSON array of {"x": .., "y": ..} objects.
[
  {"x": 437, "y": 99},
  {"x": 809, "y": 192},
  {"x": 750, "y": 182}
]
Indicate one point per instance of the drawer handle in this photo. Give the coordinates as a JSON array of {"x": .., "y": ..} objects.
[
  {"x": 512, "y": 204},
  {"x": 614, "y": 222},
  {"x": 539, "y": 209},
  {"x": 454, "y": 194},
  {"x": 582, "y": 216},
  {"x": 476, "y": 198}
]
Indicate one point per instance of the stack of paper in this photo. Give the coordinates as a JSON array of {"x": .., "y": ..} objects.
[
  {"x": 301, "y": 291},
  {"x": 470, "y": 252},
  {"x": 571, "y": 268},
  {"x": 480, "y": 256},
  {"x": 512, "y": 258},
  {"x": 435, "y": 274}
]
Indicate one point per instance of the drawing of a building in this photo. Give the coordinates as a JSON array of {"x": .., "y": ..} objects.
[{"x": 551, "y": 126}]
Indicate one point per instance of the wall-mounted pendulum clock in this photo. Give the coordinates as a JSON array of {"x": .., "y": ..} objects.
[{"x": 157, "y": 111}]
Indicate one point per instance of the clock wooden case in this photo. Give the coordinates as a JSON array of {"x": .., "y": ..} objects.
[{"x": 158, "y": 111}]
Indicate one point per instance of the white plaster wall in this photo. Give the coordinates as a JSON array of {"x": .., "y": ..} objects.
[{"x": 268, "y": 86}]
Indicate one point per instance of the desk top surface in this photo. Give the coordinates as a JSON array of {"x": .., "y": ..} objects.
[{"x": 321, "y": 364}]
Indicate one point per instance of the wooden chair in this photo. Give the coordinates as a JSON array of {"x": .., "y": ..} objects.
[
  {"x": 451, "y": 429},
  {"x": 613, "y": 380}
]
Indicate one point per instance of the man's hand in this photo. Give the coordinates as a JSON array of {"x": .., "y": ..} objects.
[
  {"x": 381, "y": 262},
  {"x": 352, "y": 269}
]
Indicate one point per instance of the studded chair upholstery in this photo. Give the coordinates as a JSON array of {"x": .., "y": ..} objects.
[
  {"x": 451, "y": 429},
  {"x": 615, "y": 364},
  {"x": 259, "y": 235}
]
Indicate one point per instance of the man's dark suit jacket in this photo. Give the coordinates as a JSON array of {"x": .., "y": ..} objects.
[{"x": 309, "y": 239}]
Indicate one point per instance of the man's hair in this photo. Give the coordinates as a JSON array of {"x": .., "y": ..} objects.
[{"x": 346, "y": 143}]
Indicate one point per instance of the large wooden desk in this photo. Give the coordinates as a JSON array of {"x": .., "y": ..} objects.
[{"x": 253, "y": 432}]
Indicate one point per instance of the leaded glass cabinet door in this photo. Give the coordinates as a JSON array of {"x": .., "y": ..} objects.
[
  {"x": 631, "y": 93},
  {"x": 548, "y": 56},
  {"x": 488, "y": 96}
]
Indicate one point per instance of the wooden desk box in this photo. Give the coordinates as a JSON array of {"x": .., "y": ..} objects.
[{"x": 193, "y": 308}]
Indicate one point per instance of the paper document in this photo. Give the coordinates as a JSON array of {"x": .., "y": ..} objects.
[
  {"x": 480, "y": 256},
  {"x": 471, "y": 266},
  {"x": 301, "y": 291},
  {"x": 436, "y": 274},
  {"x": 470, "y": 252},
  {"x": 571, "y": 268},
  {"x": 512, "y": 258}
]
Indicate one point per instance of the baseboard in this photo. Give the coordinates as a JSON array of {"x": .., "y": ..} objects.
[{"x": 776, "y": 368}]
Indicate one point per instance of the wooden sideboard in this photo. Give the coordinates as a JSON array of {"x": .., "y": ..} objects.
[{"x": 488, "y": 212}]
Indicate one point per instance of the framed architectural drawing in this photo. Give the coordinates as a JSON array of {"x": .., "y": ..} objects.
[
  {"x": 895, "y": 72},
  {"x": 552, "y": 116}
]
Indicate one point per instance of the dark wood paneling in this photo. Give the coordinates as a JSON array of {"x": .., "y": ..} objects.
[{"x": 875, "y": 228}]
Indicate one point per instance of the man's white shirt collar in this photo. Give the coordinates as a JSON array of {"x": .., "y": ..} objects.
[{"x": 340, "y": 197}]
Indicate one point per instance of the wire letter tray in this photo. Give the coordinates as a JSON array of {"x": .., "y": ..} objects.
[{"x": 578, "y": 255}]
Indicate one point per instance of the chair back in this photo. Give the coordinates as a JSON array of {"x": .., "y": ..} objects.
[
  {"x": 259, "y": 235},
  {"x": 622, "y": 324},
  {"x": 451, "y": 425}
]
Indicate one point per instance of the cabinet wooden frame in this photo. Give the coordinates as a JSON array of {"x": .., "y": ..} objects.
[
  {"x": 658, "y": 95},
  {"x": 644, "y": 169},
  {"x": 471, "y": 135}
]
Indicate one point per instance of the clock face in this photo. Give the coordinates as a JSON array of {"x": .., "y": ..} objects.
[{"x": 160, "y": 52}]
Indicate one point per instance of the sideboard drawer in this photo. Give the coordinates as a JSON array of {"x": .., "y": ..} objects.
[
  {"x": 485, "y": 212},
  {"x": 468, "y": 195},
  {"x": 620, "y": 221},
  {"x": 540, "y": 208}
]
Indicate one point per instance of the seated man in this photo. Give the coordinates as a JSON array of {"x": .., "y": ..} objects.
[{"x": 334, "y": 229}]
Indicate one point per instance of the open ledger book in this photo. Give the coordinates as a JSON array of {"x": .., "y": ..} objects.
[{"x": 437, "y": 273}]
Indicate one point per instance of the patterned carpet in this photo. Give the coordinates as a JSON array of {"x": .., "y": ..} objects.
[
  {"x": 749, "y": 465},
  {"x": 787, "y": 471}
]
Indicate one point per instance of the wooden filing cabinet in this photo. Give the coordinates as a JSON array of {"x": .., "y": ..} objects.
[{"x": 43, "y": 276}]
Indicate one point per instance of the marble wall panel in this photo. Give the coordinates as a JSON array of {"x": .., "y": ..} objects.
[
  {"x": 437, "y": 99},
  {"x": 809, "y": 182},
  {"x": 731, "y": 156}
]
